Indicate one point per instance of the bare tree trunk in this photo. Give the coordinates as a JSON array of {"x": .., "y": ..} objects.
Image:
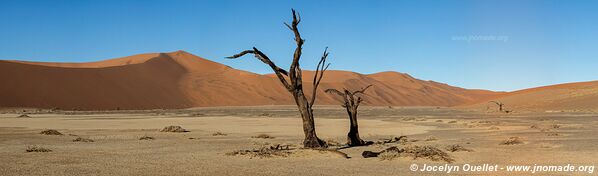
[
  {"x": 309, "y": 128},
  {"x": 353, "y": 138},
  {"x": 295, "y": 87},
  {"x": 351, "y": 104}
]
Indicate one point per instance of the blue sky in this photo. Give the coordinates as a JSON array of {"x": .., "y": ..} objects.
[{"x": 496, "y": 45}]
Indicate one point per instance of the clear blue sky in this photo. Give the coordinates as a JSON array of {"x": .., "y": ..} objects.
[{"x": 547, "y": 42}]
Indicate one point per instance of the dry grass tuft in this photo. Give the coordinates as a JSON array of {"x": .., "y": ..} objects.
[
  {"x": 23, "y": 116},
  {"x": 50, "y": 132},
  {"x": 146, "y": 138},
  {"x": 494, "y": 128},
  {"x": 218, "y": 133},
  {"x": 439, "y": 120},
  {"x": 80, "y": 139},
  {"x": 452, "y": 121},
  {"x": 263, "y": 136},
  {"x": 35, "y": 148},
  {"x": 534, "y": 127},
  {"x": 431, "y": 138},
  {"x": 174, "y": 129},
  {"x": 415, "y": 151},
  {"x": 263, "y": 152},
  {"x": 555, "y": 126},
  {"x": 428, "y": 152},
  {"x": 512, "y": 141},
  {"x": 457, "y": 148}
]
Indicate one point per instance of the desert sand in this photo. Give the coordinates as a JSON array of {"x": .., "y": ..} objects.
[{"x": 547, "y": 139}]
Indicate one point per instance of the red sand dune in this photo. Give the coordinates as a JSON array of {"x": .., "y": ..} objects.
[
  {"x": 181, "y": 80},
  {"x": 581, "y": 96}
]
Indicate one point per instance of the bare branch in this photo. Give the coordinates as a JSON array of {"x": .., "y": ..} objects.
[
  {"x": 362, "y": 90},
  {"x": 295, "y": 70},
  {"x": 241, "y": 54},
  {"x": 334, "y": 91},
  {"x": 320, "y": 69}
]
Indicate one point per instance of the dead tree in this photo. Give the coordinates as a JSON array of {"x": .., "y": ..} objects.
[
  {"x": 351, "y": 103},
  {"x": 292, "y": 82},
  {"x": 499, "y": 104}
]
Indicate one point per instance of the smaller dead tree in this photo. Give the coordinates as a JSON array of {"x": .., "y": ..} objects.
[
  {"x": 499, "y": 104},
  {"x": 351, "y": 103}
]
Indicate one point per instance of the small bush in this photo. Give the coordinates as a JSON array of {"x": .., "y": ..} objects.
[
  {"x": 50, "y": 132},
  {"x": 174, "y": 129},
  {"x": 431, "y": 138},
  {"x": 80, "y": 139},
  {"x": 457, "y": 148},
  {"x": 218, "y": 133},
  {"x": 35, "y": 148},
  {"x": 263, "y": 152},
  {"x": 512, "y": 141},
  {"x": 263, "y": 136},
  {"x": 146, "y": 138}
]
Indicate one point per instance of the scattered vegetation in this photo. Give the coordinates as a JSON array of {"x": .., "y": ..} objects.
[
  {"x": 80, "y": 139},
  {"x": 146, "y": 138},
  {"x": 494, "y": 128},
  {"x": 50, "y": 132},
  {"x": 263, "y": 136},
  {"x": 512, "y": 141},
  {"x": 415, "y": 151},
  {"x": 555, "y": 126},
  {"x": 218, "y": 133},
  {"x": 35, "y": 148},
  {"x": 265, "y": 114},
  {"x": 431, "y": 138},
  {"x": 264, "y": 152},
  {"x": 174, "y": 129},
  {"x": 457, "y": 148}
]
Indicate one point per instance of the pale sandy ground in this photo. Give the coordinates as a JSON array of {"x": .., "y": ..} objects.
[{"x": 117, "y": 150}]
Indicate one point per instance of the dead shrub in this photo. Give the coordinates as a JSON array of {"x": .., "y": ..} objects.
[
  {"x": 415, "y": 151},
  {"x": 146, "y": 138},
  {"x": 457, "y": 148},
  {"x": 35, "y": 148},
  {"x": 555, "y": 126},
  {"x": 409, "y": 119},
  {"x": 80, "y": 139},
  {"x": 552, "y": 134},
  {"x": 174, "y": 129},
  {"x": 218, "y": 133},
  {"x": 263, "y": 152},
  {"x": 263, "y": 136},
  {"x": 534, "y": 127},
  {"x": 266, "y": 114},
  {"x": 431, "y": 138},
  {"x": 512, "y": 141},
  {"x": 428, "y": 152},
  {"x": 50, "y": 132}
]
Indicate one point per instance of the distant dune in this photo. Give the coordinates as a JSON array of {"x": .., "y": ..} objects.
[
  {"x": 571, "y": 97},
  {"x": 181, "y": 80}
]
